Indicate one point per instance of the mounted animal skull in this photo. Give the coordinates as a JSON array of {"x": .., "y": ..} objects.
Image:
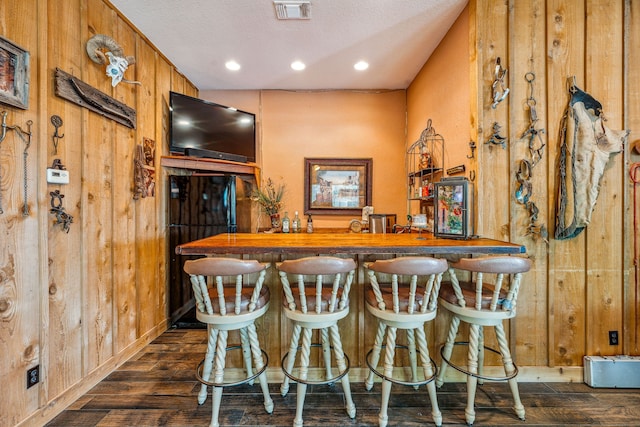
[{"x": 104, "y": 50}]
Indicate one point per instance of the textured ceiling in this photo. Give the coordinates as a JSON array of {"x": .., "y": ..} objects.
[{"x": 198, "y": 36}]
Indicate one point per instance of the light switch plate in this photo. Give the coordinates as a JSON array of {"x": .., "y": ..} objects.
[{"x": 57, "y": 176}]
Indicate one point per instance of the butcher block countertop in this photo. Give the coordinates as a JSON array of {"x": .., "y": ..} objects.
[{"x": 347, "y": 243}]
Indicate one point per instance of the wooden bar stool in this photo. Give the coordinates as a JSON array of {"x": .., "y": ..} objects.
[
  {"x": 227, "y": 307},
  {"x": 486, "y": 299},
  {"x": 406, "y": 305},
  {"x": 320, "y": 300}
]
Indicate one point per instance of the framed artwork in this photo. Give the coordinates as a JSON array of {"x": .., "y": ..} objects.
[
  {"x": 337, "y": 186},
  {"x": 14, "y": 75},
  {"x": 452, "y": 208}
]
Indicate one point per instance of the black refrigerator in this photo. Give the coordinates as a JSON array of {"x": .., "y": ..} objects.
[{"x": 202, "y": 205}]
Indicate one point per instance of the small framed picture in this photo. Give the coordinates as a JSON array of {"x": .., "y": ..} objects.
[
  {"x": 14, "y": 75},
  {"x": 452, "y": 208}
]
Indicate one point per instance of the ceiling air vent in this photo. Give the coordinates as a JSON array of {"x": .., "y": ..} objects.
[{"x": 288, "y": 9}]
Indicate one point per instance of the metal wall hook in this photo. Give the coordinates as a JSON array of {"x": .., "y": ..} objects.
[
  {"x": 472, "y": 146},
  {"x": 56, "y": 121},
  {"x": 4, "y": 126}
]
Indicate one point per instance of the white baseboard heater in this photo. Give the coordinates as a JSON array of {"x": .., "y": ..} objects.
[{"x": 612, "y": 371}]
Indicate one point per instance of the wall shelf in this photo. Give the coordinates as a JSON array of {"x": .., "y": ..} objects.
[{"x": 199, "y": 164}]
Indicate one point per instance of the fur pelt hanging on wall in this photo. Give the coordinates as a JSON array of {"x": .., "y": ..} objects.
[{"x": 586, "y": 145}]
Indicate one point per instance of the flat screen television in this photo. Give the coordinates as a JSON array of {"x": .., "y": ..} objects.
[{"x": 205, "y": 129}]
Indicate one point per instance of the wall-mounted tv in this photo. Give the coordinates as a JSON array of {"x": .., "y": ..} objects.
[{"x": 205, "y": 129}]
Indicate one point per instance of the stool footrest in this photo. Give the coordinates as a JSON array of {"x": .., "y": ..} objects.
[
  {"x": 483, "y": 377},
  {"x": 316, "y": 382},
  {"x": 399, "y": 381},
  {"x": 235, "y": 383}
]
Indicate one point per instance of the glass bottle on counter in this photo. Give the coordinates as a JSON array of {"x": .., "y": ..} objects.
[
  {"x": 286, "y": 222},
  {"x": 295, "y": 224},
  {"x": 309, "y": 224}
]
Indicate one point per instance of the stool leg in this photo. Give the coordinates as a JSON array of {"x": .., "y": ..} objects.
[
  {"x": 375, "y": 354},
  {"x": 304, "y": 370},
  {"x": 413, "y": 361},
  {"x": 326, "y": 351},
  {"x": 509, "y": 368},
  {"x": 218, "y": 377},
  {"x": 246, "y": 353},
  {"x": 342, "y": 366},
  {"x": 383, "y": 418},
  {"x": 291, "y": 358},
  {"x": 212, "y": 337},
  {"x": 428, "y": 373},
  {"x": 474, "y": 332},
  {"x": 257, "y": 359},
  {"x": 448, "y": 349},
  {"x": 481, "y": 354}
]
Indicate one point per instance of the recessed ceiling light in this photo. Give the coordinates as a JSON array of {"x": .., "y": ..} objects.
[
  {"x": 298, "y": 65},
  {"x": 361, "y": 65},
  {"x": 232, "y": 65}
]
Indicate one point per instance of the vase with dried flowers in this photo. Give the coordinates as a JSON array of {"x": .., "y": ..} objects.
[{"x": 269, "y": 198}]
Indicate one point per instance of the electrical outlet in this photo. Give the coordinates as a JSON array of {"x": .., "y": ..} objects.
[
  {"x": 613, "y": 337},
  {"x": 33, "y": 376}
]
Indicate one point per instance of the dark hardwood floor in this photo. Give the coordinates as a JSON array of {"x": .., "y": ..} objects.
[{"x": 157, "y": 387}]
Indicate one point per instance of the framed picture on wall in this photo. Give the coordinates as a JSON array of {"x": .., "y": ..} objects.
[
  {"x": 14, "y": 75},
  {"x": 337, "y": 186},
  {"x": 452, "y": 208}
]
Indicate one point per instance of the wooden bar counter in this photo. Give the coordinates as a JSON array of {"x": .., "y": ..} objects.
[
  {"x": 359, "y": 327},
  {"x": 343, "y": 243}
]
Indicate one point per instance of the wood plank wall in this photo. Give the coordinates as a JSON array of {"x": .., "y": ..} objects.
[
  {"x": 79, "y": 303},
  {"x": 582, "y": 288}
]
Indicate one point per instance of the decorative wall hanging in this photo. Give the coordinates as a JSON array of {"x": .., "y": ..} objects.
[
  {"x": 104, "y": 50},
  {"x": 144, "y": 170},
  {"x": 56, "y": 121},
  {"x": 337, "y": 186},
  {"x": 586, "y": 145},
  {"x": 499, "y": 90},
  {"x": 62, "y": 217},
  {"x": 75, "y": 90},
  {"x": 524, "y": 191},
  {"x": 25, "y": 136},
  {"x": 496, "y": 138},
  {"x": 456, "y": 170},
  {"x": 14, "y": 75},
  {"x": 525, "y": 170},
  {"x": 536, "y": 143}
]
